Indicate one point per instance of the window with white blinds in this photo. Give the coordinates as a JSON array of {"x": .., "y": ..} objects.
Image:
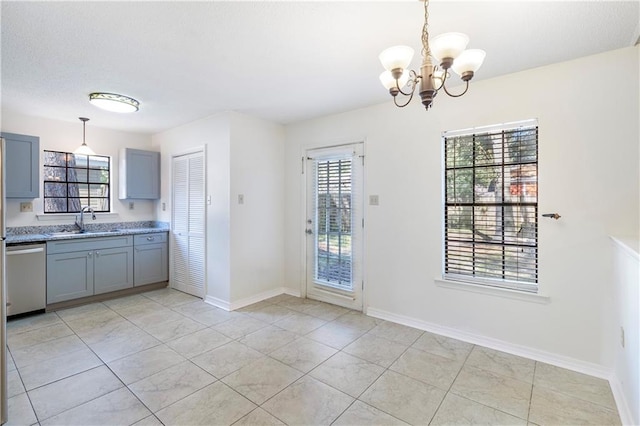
[
  {"x": 491, "y": 205},
  {"x": 334, "y": 221}
]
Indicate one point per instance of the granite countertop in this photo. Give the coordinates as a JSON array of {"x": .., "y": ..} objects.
[{"x": 36, "y": 234}]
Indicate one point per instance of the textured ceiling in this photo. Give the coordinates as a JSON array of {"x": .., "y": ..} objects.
[{"x": 282, "y": 61}]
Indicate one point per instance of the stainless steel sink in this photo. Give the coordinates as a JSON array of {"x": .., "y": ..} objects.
[
  {"x": 78, "y": 232},
  {"x": 63, "y": 233}
]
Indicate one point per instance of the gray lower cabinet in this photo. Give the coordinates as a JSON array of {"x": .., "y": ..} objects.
[
  {"x": 150, "y": 259},
  {"x": 69, "y": 276},
  {"x": 84, "y": 267},
  {"x": 112, "y": 269}
]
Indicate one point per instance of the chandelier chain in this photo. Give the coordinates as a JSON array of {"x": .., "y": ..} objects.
[{"x": 426, "y": 50}]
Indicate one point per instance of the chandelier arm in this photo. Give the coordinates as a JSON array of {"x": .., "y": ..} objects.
[
  {"x": 395, "y": 100},
  {"x": 413, "y": 83},
  {"x": 454, "y": 95}
]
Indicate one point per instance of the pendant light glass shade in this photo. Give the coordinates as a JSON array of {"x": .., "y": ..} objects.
[
  {"x": 448, "y": 45},
  {"x": 396, "y": 57},
  {"x": 469, "y": 60},
  {"x": 84, "y": 148}
]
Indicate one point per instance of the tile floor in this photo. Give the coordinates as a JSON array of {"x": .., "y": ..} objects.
[{"x": 164, "y": 357}]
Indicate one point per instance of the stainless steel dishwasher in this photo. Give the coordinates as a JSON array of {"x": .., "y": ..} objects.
[{"x": 26, "y": 278}]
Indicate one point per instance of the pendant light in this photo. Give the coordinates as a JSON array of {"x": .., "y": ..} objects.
[{"x": 84, "y": 148}]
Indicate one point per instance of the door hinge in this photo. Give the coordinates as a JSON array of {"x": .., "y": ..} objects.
[
  {"x": 363, "y": 222},
  {"x": 302, "y": 165},
  {"x": 362, "y": 288}
]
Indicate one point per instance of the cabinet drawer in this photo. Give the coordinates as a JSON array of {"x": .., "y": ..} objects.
[
  {"x": 142, "y": 239},
  {"x": 67, "y": 246}
]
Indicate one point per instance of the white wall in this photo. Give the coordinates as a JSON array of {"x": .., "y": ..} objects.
[
  {"x": 257, "y": 226},
  {"x": 626, "y": 261},
  {"x": 244, "y": 242},
  {"x": 67, "y": 136},
  {"x": 588, "y": 153},
  {"x": 213, "y": 134}
]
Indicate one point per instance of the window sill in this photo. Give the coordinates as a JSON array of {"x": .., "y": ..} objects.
[
  {"x": 492, "y": 291},
  {"x": 72, "y": 216}
]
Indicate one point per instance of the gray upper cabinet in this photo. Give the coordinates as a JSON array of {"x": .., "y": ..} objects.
[
  {"x": 139, "y": 174},
  {"x": 22, "y": 165}
]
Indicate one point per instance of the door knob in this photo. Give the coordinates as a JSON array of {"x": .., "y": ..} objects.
[{"x": 309, "y": 231}]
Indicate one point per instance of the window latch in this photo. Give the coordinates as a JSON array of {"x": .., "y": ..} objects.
[{"x": 555, "y": 216}]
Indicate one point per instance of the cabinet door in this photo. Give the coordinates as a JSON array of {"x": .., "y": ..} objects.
[
  {"x": 22, "y": 165},
  {"x": 150, "y": 264},
  {"x": 139, "y": 174},
  {"x": 113, "y": 269},
  {"x": 69, "y": 276}
]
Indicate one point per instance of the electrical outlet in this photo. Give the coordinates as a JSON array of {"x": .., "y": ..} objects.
[
  {"x": 131, "y": 205},
  {"x": 240, "y": 198},
  {"x": 622, "y": 336},
  {"x": 26, "y": 207},
  {"x": 374, "y": 200},
  {"x": 164, "y": 206}
]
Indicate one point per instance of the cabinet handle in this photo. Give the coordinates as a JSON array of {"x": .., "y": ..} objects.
[
  {"x": 97, "y": 253},
  {"x": 90, "y": 254},
  {"x": 151, "y": 238}
]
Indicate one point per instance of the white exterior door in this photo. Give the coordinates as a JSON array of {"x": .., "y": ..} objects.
[
  {"x": 334, "y": 225},
  {"x": 188, "y": 224}
]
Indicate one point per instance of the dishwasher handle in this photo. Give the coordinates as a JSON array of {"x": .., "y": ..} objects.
[{"x": 25, "y": 251}]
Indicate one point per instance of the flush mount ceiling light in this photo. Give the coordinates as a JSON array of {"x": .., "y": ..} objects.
[
  {"x": 84, "y": 148},
  {"x": 448, "y": 50},
  {"x": 114, "y": 102}
]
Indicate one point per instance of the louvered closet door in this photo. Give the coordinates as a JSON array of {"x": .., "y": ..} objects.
[{"x": 188, "y": 228}]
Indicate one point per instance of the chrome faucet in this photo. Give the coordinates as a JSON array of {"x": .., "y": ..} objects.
[{"x": 80, "y": 224}]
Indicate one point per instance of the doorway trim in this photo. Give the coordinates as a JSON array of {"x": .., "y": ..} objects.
[{"x": 304, "y": 150}]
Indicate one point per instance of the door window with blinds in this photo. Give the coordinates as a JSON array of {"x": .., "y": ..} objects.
[
  {"x": 333, "y": 219},
  {"x": 491, "y": 205}
]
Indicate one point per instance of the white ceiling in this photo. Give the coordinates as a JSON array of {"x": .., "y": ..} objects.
[{"x": 282, "y": 61}]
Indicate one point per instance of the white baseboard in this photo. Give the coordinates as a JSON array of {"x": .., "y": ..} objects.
[
  {"x": 523, "y": 351},
  {"x": 626, "y": 416},
  {"x": 218, "y": 303},
  {"x": 223, "y": 304}
]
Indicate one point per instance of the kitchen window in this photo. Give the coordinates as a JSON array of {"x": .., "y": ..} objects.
[
  {"x": 491, "y": 206},
  {"x": 72, "y": 181}
]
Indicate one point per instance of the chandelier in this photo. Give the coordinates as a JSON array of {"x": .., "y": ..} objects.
[{"x": 448, "y": 50}]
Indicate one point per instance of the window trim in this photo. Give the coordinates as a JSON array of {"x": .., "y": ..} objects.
[
  {"x": 486, "y": 284},
  {"x": 110, "y": 185}
]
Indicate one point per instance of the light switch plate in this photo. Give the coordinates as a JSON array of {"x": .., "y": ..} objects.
[
  {"x": 240, "y": 198},
  {"x": 374, "y": 200}
]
